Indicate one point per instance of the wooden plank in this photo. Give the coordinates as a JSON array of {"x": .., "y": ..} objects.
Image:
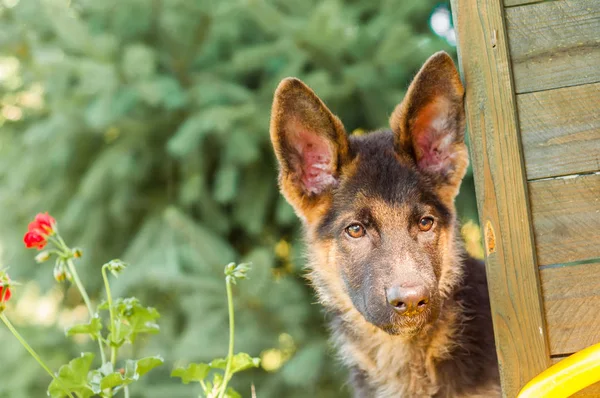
[
  {"x": 554, "y": 44},
  {"x": 502, "y": 197},
  {"x": 566, "y": 218},
  {"x": 592, "y": 391},
  {"x": 512, "y": 3},
  {"x": 560, "y": 130},
  {"x": 572, "y": 305}
]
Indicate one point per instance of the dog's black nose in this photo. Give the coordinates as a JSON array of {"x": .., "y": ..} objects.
[{"x": 408, "y": 300}]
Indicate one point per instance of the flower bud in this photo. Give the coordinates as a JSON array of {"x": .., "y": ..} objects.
[
  {"x": 5, "y": 291},
  {"x": 234, "y": 272},
  {"x": 42, "y": 256},
  {"x": 77, "y": 253},
  {"x": 115, "y": 266},
  {"x": 60, "y": 272}
]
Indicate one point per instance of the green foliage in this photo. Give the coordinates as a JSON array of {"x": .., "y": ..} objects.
[
  {"x": 132, "y": 372},
  {"x": 92, "y": 328},
  {"x": 131, "y": 319},
  {"x": 143, "y": 126},
  {"x": 85, "y": 383},
  {"x": 240, "y": 362},
  {"x": 194, "y": 372},
  {"x": 198, "y": 372},
  {"x": 74, "y": 376},
  {"x": 231, "y": 365}
]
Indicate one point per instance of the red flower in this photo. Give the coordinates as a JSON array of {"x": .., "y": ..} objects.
[
  {"x": 4, "y": 292},
  {"x": 44, "y": 223},
  {"x": 38, "y": 231},
  {"x": 34, "y": 239}
]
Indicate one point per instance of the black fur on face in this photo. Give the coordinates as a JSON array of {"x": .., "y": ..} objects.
[{"x": 388, "y": 198}]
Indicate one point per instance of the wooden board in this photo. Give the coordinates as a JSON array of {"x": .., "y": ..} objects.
[
  {"x": 566, "y": 218},
  {"x": 512, "y": 3},
  {"x": 572, "y": 306},
  {"x": 554, "y": 44},
  {"x": 592, "y": 391},
  {"x": 500, "y": 184},
  {"x": 560, "y": 130}
]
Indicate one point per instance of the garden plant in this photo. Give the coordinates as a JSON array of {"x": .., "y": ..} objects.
[{"x": 114, "y": 323}]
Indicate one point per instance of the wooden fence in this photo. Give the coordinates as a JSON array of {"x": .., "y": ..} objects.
[{"x": 532, "y": 74}]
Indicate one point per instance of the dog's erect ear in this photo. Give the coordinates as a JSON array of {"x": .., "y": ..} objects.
[
  {"x": 311, "y": 147},
  {"x": 429, "y": 124}
]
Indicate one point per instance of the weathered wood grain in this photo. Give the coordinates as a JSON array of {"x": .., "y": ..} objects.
[
  {"x": 566, "y": 218},
  {"x": 511, "y": 3},
  {"x": 554, "y": 44},
  {"x": 560, "y": 130},
  {"x": 515, "y": 296},
  {"x": 592, "y": 391},
  {"x": 572, "y": 306}
]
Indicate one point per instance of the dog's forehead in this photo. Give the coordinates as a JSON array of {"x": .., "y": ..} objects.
[{"x": 380, "y": 174}]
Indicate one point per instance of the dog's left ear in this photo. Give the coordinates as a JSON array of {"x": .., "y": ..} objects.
[
  {"x": 429, "y": 124},
  {"x": 311, "y": 146}
]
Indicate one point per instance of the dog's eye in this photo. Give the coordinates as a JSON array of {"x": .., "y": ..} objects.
[
  {"x": 355, "y": 231},
  {"x": 425, "y": 223}
]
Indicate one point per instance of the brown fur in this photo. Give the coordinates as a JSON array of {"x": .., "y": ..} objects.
[{"x": 386, "y": 182}]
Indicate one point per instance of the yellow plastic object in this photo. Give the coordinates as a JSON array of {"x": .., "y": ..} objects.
[{"x": 566, "y": 377}]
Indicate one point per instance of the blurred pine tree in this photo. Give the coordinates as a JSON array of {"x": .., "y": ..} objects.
[{"x": 142, "y": 126}]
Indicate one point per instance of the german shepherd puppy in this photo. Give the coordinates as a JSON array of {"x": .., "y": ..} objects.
[{"x": 410, "y": 310}]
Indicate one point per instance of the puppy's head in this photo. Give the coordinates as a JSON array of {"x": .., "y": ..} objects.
[{"x": 378, "y": 210}]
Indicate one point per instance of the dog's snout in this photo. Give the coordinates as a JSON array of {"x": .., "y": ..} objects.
[{"x": 408, "y": 300}]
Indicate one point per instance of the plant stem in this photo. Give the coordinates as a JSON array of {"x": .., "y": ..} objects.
[
  {"x": 126, "y": 391},
  {"x": 86, "y": 299},
  {"x": 113, "y": 349},
  {"x": 32, "y": 352},
  {"x": 63, "y": 250},
  {"x": 79, "y": 285},
  {"x": 227, "y": 375},
  {"x": 203, "y": 384}
]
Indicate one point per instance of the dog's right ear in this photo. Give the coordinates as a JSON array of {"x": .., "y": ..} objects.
[{"x": 311, "y": 146}]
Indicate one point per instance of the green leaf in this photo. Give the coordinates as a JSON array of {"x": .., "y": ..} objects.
[
  {"x": 193, "y": 372},
  {"x": 133, "y": 371},
  {"x": 241, "y": 361},
  {"x": 95, "y": 376},
  {"x": 217, "y": 383},
  {"x": 73, "y": 376},
  {"x": 116, "y": 379},
  {"x": 92, "y": 328},
  {"x": 145, "y": 365},
  {"x": 132, "y": 319},
  {"x": 231, "y": 393}
]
